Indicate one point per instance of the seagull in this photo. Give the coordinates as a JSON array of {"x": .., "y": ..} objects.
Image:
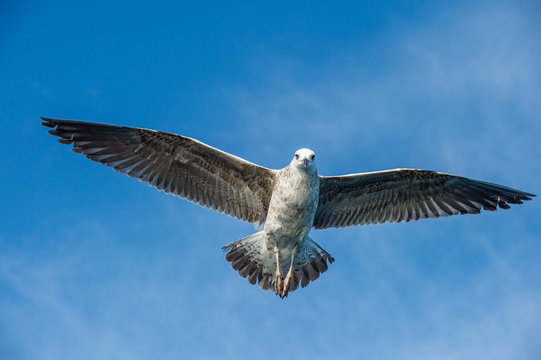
[{"x": 284, "y": 204}]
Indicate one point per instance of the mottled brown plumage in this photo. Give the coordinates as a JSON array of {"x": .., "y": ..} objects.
[
  {"x": 174, "y": 163},
  {"x": 405, "y": 194},
  {"x": 287, "y": 202}
]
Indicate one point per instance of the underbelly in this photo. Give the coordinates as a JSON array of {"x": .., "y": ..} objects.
[
  {"x": 287, "y": 224},
  {"x": 291, "y": 209}
]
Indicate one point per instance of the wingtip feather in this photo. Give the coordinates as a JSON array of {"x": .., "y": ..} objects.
[{"x": 48, "y": 124}]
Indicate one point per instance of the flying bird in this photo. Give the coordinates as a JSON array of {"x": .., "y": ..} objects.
[{"x": 287, "y": 203}]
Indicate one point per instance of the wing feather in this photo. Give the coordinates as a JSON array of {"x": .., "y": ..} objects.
[
  {"x": 174, "y": 163},
  {"x": 404, "y": 195}
]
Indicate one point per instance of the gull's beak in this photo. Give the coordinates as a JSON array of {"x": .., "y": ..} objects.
[{"x": 305, "y": 162}]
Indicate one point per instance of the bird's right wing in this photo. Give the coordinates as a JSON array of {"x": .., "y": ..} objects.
[
  {"x": 404, "y": 195},
  {"x": 174, "y": 163}
]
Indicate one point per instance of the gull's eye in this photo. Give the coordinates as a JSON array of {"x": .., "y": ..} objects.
[
  {"x": 312, "y": 157},
  {"x": 296, "y": 156}
]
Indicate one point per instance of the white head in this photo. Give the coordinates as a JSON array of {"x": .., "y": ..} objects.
[{"x": 304, "y": 159}]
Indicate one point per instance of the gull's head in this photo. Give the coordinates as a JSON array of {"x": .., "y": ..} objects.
[{"x": 304, "y": 159}]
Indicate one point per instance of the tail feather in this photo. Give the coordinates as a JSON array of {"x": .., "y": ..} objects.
[
  {"x": 310, "y": 262},
  {"x": 251, "y": 258}
]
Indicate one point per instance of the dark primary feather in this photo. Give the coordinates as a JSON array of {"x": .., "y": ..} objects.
[
  {"x": 404, "y": 195},
  {"x": 174, "y": 163}
]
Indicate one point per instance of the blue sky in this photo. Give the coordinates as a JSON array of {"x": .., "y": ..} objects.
[{"x": 96, "y": 265}]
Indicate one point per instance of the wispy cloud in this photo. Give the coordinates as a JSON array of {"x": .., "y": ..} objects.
[
  {"x": 456, "y": 91},
  {"x": 467, "y": 81}
]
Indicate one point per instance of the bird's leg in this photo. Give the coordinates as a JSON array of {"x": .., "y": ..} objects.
[
  {"x": 278, "y": 277},
  {"x": 289, "y": 273}
]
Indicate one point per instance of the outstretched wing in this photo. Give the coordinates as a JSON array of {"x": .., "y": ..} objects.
[
  {"x": 174, "y": 163},
  {"x": 404, "y": 195}
]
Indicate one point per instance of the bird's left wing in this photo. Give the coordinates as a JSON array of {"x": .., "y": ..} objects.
[
  {"x": 176, "y": 164},
  {"x": 404, "y": 195}
]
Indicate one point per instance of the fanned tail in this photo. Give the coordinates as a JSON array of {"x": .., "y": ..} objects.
[
  {"x": 251, "y": 258},
  {"x": 310, "y": 261}
]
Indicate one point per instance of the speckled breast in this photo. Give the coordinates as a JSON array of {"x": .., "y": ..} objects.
[{"x": 292, "y": 208}]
